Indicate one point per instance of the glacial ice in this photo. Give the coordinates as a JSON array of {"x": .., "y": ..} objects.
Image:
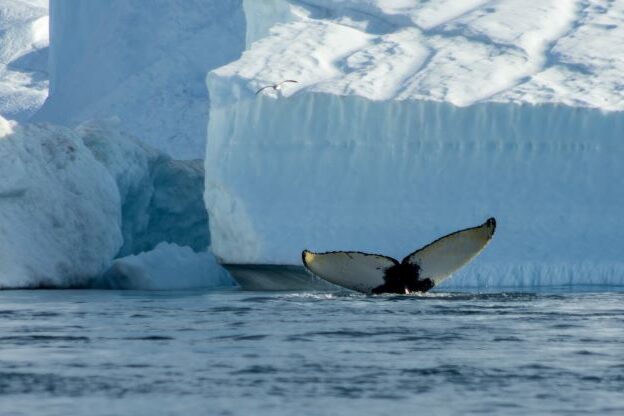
[
  {"x": 413, "y": 121},
  {"x": 553, "y": 51},
  {"x": 161, "y": 198},
  {"x": 74, "y": 199},
  {"x": 410, "y": 120},
  {"x": 23, "y": 57},
  {"x": 141, "y": 61},
  {"x": 61, "y": 216},
  {"x": 167, "y": 267}
]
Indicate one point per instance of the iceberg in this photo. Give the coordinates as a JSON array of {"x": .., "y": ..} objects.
[
  {"x": 23, "y": 57},
  {"x": 141, "y": 61},
  {"x": 161, "y": 198},
  {"x": 61, "y": 212},
  {"x": 411, "y": 121},
  {"x": 72, "y": 200},
  {"x": 166, "y": 267}
]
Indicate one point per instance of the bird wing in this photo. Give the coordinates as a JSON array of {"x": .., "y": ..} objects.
[
  {"x": 353, "y": 270},
  {"x": 439, "y": 259},
  {"x": 287, "y": 80},
  {"x": 264, "y": 88}
]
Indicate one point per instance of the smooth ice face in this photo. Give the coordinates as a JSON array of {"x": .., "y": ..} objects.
[
  {"x": 143, "y": 61},
  {"x": 412, "y": 122},
  {"x": 167, "y": 267}
]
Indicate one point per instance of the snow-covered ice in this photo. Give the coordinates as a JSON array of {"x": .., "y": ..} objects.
[
  {"x": 411, "y": 121},
  {"x": 74, "y": 199},
  {"x": 167, "y": 267},
  {"x": 141, "y": 61},
  {"x": 61, "y": 212},
  {"x": 551, "y": 51},
  {"x": 23, "y": 57}
]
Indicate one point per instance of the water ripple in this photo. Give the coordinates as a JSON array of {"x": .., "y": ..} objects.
[{"x": 311, "y": 353}]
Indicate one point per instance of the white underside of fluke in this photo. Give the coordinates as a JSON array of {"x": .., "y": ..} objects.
[{"x": 438, "y": 260}]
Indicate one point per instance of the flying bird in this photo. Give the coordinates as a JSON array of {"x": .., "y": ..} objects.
[{"x": 276, "y": 87}]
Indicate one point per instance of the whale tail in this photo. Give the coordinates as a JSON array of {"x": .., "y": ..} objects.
[{"x": 417, "y": 272}]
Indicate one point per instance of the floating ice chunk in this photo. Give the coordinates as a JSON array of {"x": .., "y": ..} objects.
[
  {"x": 167, "y": 267},
  {"x": 60, "y": 221},
  {"x": 145, "y": 62}
]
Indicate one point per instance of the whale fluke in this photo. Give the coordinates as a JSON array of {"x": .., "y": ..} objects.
[{"x": 417, "y": 272}]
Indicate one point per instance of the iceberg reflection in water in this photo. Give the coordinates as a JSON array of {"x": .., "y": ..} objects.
[{"x": 276, "y": 277}]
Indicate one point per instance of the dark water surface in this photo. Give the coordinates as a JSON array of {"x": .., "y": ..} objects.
[{"x": 254, "y": 353}]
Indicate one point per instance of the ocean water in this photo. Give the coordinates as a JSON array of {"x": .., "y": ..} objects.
[{"x": 259, "y": 353}]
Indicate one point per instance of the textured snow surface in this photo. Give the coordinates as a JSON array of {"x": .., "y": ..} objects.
[
  {"x": 23, "y": 57},
  {"x": 167, "y": 267},
  {"x": 143, "y": 61},
  {"x": 61, "y": 216},
  {"x": 412, "y": 121},
  {"x": 536, "y": 51}
]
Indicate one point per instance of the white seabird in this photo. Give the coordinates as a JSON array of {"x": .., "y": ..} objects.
[{"x": 276, "y": 87}]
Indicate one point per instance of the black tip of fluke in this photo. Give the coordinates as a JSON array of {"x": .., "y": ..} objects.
[{"x": 491, "y": 222}]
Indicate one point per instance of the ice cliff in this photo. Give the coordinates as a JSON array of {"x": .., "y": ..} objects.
[
  {"x": 160, "y": 197},
  {"x": 139, "y": 66},
  {"x": 411, "y": 120},
  {"x": 141, "y": 61},
  {"x": 167, "y": 267},
  {"x": 60, "y": 222},
  {"x": 74, "y": 199}
]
